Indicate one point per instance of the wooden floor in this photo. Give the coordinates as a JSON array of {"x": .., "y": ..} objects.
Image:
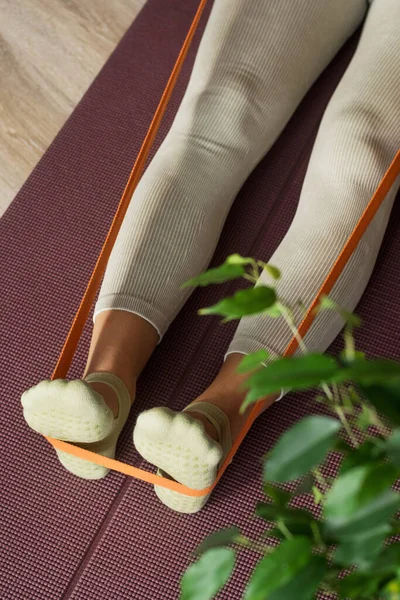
[{"x": 50, "y": 52}]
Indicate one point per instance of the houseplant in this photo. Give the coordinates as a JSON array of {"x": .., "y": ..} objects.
[{"x": 349, "y": 550}]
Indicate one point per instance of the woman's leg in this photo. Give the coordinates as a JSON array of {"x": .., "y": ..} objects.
[
  {"x": 358, "y": 138},
  {"x": 255, "y": 63},
  {"x": 277, "y": 40}
]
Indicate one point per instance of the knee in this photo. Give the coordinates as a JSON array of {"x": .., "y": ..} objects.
[
  {"x": 223, "y": 115},
  {"x": 357, "y": 143}
]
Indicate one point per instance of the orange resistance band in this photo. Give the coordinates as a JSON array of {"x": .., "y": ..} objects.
[{"x": 82, "y": 314}]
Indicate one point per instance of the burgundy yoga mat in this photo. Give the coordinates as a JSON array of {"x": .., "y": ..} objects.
[{"x": 65, "y": 538}]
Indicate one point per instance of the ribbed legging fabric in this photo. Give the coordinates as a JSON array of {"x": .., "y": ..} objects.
[{"x": 255, "y": 63}]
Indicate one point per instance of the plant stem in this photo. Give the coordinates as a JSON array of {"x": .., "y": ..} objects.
[
  {"x": 321, "y": 479},
  {"x": 253, "y": 545},
  {"x": 293, "y": 328},
  {"x": 345, "y": 423},
  {"x": 256, "y": 272},
  {"x": 317, "y": 535},
  {"x": 349, "y": 342},
  {"x": 250, "y": 278},
  {"x": 328, "y": 392},
  {"x": 282, "y": 527},
  {"x": 333, "y": 398},
  {"x": 336, "y": 393},
  {"x": 377, "y": 422},
  {"x": 346, "y": 401}
]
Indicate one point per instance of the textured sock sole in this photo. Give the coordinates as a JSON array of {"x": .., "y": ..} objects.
[
  {"x": 179, "y": 502},
  {"x": 67, "y": 410},
  {"x": 83, "y": 468},
  {"x": 179, "y": 446}
]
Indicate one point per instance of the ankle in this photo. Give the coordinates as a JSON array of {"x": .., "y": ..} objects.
[
  {"x": 107, "y": 393},
  {"x": 208, "y": 427},
  {"x": 228, "y": 391},
  {"x": 228, "y": 403},
  {"x": 122, "y": 343},
  {"x": 124, "y": 375}
]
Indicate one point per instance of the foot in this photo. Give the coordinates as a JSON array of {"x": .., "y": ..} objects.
[
  {"x": 187, "y": 446},
  {"x": 180, "y": 447},
  {"x": 72, "y": 411},
  {"x": 88, "y": 413}
]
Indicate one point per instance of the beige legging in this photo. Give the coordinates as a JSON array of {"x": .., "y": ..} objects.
[{"x": 256, "y": 61}]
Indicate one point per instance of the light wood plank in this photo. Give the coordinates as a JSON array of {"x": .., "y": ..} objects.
[{"x": 50, "y": 52}]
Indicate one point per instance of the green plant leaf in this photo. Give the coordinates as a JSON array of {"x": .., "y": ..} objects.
[
  {"x": 274, "y": 311},
  {"x": 356, "y": 502},
  {"x": 364, "y": 418},
  {"x": 342, "y": 446},
  {"x": 296, "y": 373},
  {"x": 295, "y": 529},
  {"x": 304, "y": 584},
  {"x": 300, "y": 448},
  {"x": 225, "y": 272},
  {"x": 272, "y": 271},
  {"x": 395, "y": 523},
  {"x": 273, "y": 512},
  {"x": 279, "y": 496},
  {"x": 237, "y": 259},
  {"x": 224, "y": 537},
  {"x": 245, "y": 302},
  {"x": 369, "y": 372},
  {"x": 362, "y": 549},
  {"x": 298, "y": 521},
  {"x": 385, "y": 397},
  {"x": 376, "y": 512},
  {"x": 306, "y": 485},
  {"x": 392, "y": 447},
  {"x": 367, "y": 453},
  {"x": 388, "y": 561},
  {"x": 274, "y": 533},
  {"x": 278, "y": 568},
  {"x": 253, "y": 361},
  {"x": 381, "y": 477},
  {"x": 392, "y": 590},
  {"x": 342, "y": 499},
  {"x": 358, "y": 587},
  {"x": 205, "y": 578}
]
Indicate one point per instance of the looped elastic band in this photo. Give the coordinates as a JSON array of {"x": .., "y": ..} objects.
[{"x": 82, "y": 314}]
